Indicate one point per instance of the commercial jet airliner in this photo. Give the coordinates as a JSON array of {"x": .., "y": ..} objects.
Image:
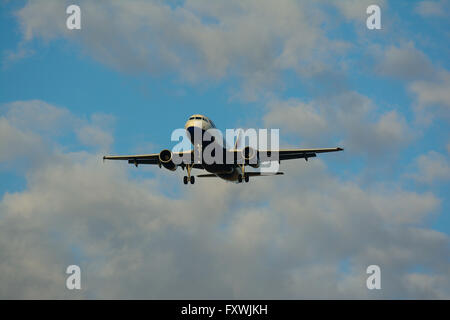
[{"x": 232, "y": 168}]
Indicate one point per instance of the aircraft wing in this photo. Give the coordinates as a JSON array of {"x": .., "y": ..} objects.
[
  {"x": 264, "y": 155},
  {"x": 151, "y": 156},
  {"x": 136, "y": 159},
  {"x": 287, "y": 154}
]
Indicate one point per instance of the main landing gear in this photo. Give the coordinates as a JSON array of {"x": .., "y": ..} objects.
[
  {"x": 246, "y": 178},
  {"x": 243, "y": 175},
  {"x": 188, "y": 178}
]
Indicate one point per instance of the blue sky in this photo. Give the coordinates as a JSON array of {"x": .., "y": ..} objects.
[{"x": 370, "y": 90}]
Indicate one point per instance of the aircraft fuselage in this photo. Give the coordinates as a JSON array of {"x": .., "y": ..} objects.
[{"x": 196, "y": 127}]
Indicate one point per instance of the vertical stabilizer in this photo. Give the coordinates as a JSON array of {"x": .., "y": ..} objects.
[{"x": 236, "y": 144}]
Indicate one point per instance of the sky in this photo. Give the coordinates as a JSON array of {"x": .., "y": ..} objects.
[{"x": 136, "y": 71}]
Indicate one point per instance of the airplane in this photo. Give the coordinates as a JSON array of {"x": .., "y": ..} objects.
[{"x": 231, "y": 171}]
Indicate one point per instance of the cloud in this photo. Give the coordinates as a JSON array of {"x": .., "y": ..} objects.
[
  {"x": 431, "y": 167},
  {"x": 94, "y": 136},
  {"x": 356, "y": 9},
  {"x": 348, "y": 116},
  {"x": 15, "y": 143},
  {"x": 35, "y": 119},
  {"x": 277, "y": 237},
  {"x": 295, "y": 116},
  {"x": 96, "y": 133},
  {"x": 253, "y": 42},
  {"x": 390, "y": 126},
  {"x": 405, "y": 62},
  {"x": 434, "y": 93},
  {"x": 426, "y": 285},
  {"x": 11, "y": 56},
  {"x": 433, "y": 8},
  {"x": 37, "y": 115},
  {"x": 427, "y": 82}
]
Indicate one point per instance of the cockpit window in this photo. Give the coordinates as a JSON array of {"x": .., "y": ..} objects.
[{"x": 200, "y": 118}]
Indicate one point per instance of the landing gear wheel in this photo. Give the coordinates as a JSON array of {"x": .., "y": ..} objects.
[
  {"x": 240, "y": 178},
  {"x": 246, "y": 177},
  {"x": 185, "y": 180},
  {"x": 192, "y": 179}
]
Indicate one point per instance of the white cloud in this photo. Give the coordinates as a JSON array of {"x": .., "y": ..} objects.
[
  {"x": 96, "y": 132},
  {"x": 434, "y": 93},
  {"x": 348, "y": 116},
  {"x": 253, "y": 41},
  {"x": 427, "y": 82},
  {"x": 405, "y": 62},
  {"x": 295, "y": 116},
  {"x": 438, "y": 8},
  {"x": 391, "y": 126},
  {"x": 38, "y": 116},
  {"x": 431, "y": 167},
  {"x": 15, "y": 143},
  {"x": 94, "y": 136},
  {"x": 404, "y": 207},
  {"x": 25, "y": 119},
  {"x": 430, "y": 286},
  {"x": 356, "y": 9}
]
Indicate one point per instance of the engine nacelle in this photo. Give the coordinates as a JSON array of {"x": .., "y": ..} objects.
[
  {"x": 165, "y": 158},
  {"x": 250, "y": 156}
]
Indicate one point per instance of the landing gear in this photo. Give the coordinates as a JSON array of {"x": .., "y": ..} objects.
[
  {"x": 188, "y": 178},
  {"x": 244, "y": 176}
]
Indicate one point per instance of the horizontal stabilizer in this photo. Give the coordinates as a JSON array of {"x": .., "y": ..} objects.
[{"x": 250, "y": 174}]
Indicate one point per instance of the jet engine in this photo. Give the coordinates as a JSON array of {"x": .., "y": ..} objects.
[{"x": 165, "y": 158}]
